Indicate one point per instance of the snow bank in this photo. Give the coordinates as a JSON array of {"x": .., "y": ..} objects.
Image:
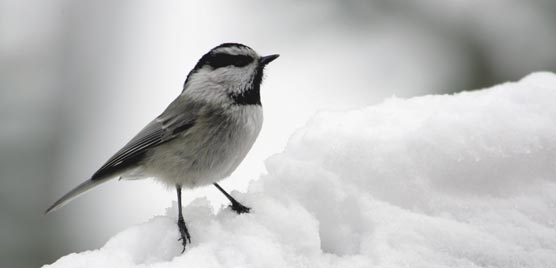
[{"x": 465, "y": 180}]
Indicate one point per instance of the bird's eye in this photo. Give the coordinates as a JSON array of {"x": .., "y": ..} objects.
[{"x": 223, "y": 60}]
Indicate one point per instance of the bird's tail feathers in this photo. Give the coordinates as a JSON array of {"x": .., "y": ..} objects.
[{"x": 76, "y": 192}]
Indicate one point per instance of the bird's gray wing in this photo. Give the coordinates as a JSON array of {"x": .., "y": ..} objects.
[
  {"x": 154, "y": 133},
  {"x": 177, "y": 119},
  {"x": 163, "y": 129}
]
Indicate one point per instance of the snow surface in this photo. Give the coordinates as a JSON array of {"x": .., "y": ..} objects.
[{"x": 464, "y": 180}]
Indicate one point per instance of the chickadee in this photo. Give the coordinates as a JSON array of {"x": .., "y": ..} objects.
[{"x": 202, "y": 136}]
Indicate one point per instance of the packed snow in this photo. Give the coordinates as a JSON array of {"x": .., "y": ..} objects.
[{"x": 464, "y": 180}]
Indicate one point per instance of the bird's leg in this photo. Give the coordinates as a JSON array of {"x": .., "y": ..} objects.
[
  {"x": 185, "y": 237},
  {"x": 236, "y": 206}
]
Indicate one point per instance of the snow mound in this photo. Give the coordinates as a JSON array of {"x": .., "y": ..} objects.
[{"x": 465, "y": 180}]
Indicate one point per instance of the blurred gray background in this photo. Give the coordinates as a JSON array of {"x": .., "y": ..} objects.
[{"x": 79, "y": 78}]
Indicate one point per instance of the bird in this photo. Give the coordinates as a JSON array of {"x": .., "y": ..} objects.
[{"x": 201, "y": 137}]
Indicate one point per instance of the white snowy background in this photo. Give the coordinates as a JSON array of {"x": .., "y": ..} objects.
[
  {"x": 465, "y": 180},
  {"x": 79, "y": 78}
]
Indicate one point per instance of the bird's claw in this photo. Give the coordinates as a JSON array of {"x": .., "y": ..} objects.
[
  {"x": 239, "y": 208},
  {"x": 184, "y": 234}
]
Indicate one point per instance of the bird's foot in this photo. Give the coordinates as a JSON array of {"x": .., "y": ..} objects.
[
  {"x": 184, "y": 233},
  {"x": 239, "y": 208}
]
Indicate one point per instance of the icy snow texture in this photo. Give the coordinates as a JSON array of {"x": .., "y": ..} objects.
[{"x": 465, "y": 180}]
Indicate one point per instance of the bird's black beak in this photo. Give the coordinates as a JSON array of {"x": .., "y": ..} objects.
[{"x": 267, "y": 59}]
